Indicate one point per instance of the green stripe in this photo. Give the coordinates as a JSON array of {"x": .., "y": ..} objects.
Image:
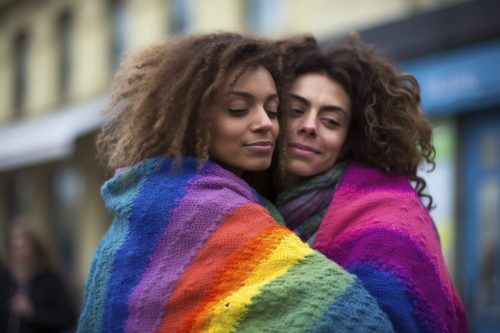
[{"x": 298, "y": 298}]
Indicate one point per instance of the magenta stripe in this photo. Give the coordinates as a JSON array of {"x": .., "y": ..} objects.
[
  {"x": 186, "y": 234},
  {"x": 351, "y": 212},
  {"x": 395, "y": 252},
  {"x": 354, "y": 209},
  {"x": 377, "y": 216},
  {"x": 363, "y": 178}
]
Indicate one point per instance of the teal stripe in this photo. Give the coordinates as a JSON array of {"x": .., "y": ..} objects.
[
  {"x": 298, "y": 298},
  {"x": 104, "y": 257},
  {"x": 273, "y": 210},
  {"x": 354, "y": 311}
]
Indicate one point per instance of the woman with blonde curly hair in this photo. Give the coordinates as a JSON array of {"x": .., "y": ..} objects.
[
  {"x": 355, "y": 136},
  {"x": 191, "y": 248}
]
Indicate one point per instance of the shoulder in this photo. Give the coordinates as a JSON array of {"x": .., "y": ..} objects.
[
  {"x": 363, "y": 178},
  {"x": 372, "y": 204},
  {"x": 5, "y": 280},
  {"x": 213, "y": 188},
  {"x": 163, "y": 183},
  {"x": 369, "y": 194}
]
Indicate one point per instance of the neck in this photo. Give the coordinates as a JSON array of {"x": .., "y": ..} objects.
[
  {"x": 290, "y": 180},
  {"x": 232, "y": 169}
]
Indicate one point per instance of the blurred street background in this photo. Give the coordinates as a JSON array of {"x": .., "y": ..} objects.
[{"x": 57, "y": 59}]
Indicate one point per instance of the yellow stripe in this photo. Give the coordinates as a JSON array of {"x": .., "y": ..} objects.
[{"x": 229, "y": 310}]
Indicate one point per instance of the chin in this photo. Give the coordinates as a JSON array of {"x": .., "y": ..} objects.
[
  {"x": 301, "y": 169},
  {"x": 259, "y": 166}
]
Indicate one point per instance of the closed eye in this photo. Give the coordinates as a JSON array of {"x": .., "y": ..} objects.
[
  {"x": 296, "y": 111},
  {"x": 238, "y": 112},
  {"x": 272, "y": 114}
]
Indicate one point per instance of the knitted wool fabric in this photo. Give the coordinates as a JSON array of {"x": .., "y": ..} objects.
[
  {"x": 192, "y": 250},
  {"x": 304, "y": 206},
  {"x": 377, "y": 228}
]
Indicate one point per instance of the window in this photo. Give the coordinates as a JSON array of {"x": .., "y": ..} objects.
[
  {"x": 20, "y": 57},
  {"x": 65, "y": 32},
  {"x": 265, "y": 16},
  {"x": 118, "y": 31},
  {"x": 180, "y": 16}
]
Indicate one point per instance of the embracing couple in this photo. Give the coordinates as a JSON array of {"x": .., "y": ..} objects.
[{"x": 267, "y": 186}]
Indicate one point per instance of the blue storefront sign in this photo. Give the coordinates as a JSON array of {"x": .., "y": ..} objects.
[
  {"x": 466, "y": 82},
  {"x": 461, "y": 80}
]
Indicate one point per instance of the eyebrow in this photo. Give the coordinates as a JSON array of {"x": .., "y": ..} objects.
[
  {"x": 333, "y": 108},
  {"x": 250, "y": 96}
]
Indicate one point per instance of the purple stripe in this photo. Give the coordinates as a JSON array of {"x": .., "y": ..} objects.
[{"x": 207, "y": 201}]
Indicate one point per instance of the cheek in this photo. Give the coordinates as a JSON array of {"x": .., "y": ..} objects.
[
  {"x": 334, "y": 145},
  {"x": 291, "y": 125},
  {"x": 226, "y": 130}
]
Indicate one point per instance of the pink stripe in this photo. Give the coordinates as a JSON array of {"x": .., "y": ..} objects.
[
  {"x": 354, "y": 209},
  {"x": 382, "y": 206},
  {"x": 201, "y": 210}
]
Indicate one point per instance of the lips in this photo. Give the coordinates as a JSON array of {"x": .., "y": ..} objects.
[
  {"x": 302, "y": 150},
  {"x": 260, "y": 146}
]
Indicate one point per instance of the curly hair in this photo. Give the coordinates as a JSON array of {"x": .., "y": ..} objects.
[
  {"x": 388, "y": 129},
  {"x": 41, "y": 255},
  {"x": 163, "y": 97}
]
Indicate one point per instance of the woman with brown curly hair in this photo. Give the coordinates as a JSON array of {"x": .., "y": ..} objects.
[
  {"x": 39, "y": 299},
  {"x": 191, "y": 249},
  {"x": 355, "y": 137}
]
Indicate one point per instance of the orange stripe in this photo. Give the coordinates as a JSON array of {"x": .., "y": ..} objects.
[
  {"x": 243, "y": 238},
  {"x": 238, "y": 268}
]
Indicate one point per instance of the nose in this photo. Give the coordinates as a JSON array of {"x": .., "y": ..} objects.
[
  {"x": 308, "y": 127},
  {"x": 262, "y": 122}
]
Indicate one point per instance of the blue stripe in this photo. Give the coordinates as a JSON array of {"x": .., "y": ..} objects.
[
  {"x": 149, "y": 218},
  {"x": 392, "y": 298},
  {"x": 97, "y": 282}
]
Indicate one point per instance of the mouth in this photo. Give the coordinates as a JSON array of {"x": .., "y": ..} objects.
[
  {"x": 302, "y": 150},
  {"x": 260, "y": 146}
]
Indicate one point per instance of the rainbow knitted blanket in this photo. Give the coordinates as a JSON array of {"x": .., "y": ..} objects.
[
  {"x": 192, "y": 250},
  {"x": 377, "y": 228}
]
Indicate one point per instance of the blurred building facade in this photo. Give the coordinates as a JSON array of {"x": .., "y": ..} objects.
[
  {"x": 454, "y": 53},
  {"x": 57, "y": 59}
]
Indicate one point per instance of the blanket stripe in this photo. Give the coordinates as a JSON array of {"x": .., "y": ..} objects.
[
  {"x": 100, "y": 272},
  {"x": 286, "y": 255},
  {"x": 192, "y": 250},
  {"x": 183, "y": 237},
  {"x": 377, "y": 228},
  {"x": 235, "y": 273},
  {"x": 255, "y": 237}
]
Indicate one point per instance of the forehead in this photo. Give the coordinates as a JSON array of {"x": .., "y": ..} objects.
[
  {"x": 317, "y": 87},
  {"x": 241, "y": 76},
  {"x": 313, "y": 81}
]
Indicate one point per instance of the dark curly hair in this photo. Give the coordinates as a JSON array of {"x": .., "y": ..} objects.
[
  {"x": 388, "y": 129},
  {"x": 163, "y": 97}
]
